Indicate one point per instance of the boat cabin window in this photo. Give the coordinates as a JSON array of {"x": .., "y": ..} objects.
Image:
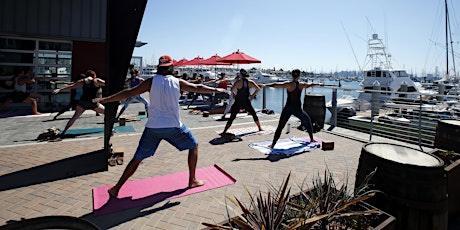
[
  {"x": 374, "y": 74},
  {"x": 400, "y": 73}
]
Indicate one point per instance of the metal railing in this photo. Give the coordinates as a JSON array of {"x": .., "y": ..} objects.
[{"x": 413, "y": 121}]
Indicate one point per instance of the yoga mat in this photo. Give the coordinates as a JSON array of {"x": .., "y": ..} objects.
[
  {"x": 22, "y": 114},
  {"x": 227, "y": 116},
  {"x": 156, "y": 189},
  {"x": 130, "y": 117},
  {"x": 248, "y": 131},
  {"x": 124, "y": 129},
  {"x": 117, "y": 129},
  {"x": 287, "y": 146},
  {"x": 40, "y": 115}
]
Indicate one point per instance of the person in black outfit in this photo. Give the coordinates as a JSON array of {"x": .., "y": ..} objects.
[
  {"x": 74, "y": 101},
  {"x": 90, "y": 85},
  {"x": 243, "y": 99},
  {"x": 293, "y": 105}
]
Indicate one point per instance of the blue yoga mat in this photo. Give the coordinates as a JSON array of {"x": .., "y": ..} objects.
[{"x": 117, "y": 129}]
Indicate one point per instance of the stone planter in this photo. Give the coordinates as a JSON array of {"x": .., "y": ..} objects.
[{"x": 452, "y": 170}]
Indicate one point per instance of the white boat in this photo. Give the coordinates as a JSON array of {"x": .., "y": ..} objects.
[
  {"x": 394, "y": 82},
  {"x": 264, "y": 78},
  {"x": 148, "y": 72},
  {"x": 348, "y": 101}
]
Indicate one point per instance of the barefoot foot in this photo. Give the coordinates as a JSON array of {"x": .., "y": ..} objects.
[
  {"x": 195, "y": 183},
  {"x": 113, "y": 192}
]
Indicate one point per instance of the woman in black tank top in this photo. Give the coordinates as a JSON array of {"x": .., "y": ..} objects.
[
  {"x": 90, "y": 85},
  {"x": 243, "y": 99},
  {"x": 293, "y": 105}
]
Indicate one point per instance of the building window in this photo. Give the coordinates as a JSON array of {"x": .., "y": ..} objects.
[{"x": 49, "y": 60}]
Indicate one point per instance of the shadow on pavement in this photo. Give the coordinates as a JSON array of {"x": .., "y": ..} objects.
[
  {"x": 92, "y": 162},
  {"x": 221, "y": 141},
  {"x": 114, "y": 219},
  {"x": 271, "y": 157},
  {"x": 51, "y": 222}
]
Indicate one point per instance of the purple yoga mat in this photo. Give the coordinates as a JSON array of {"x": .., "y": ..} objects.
[{"x": 156, "y": 189}]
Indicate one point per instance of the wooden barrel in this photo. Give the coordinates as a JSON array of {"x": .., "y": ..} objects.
[
  {"x": 315, "y": 106},
  {"x": 448, "y": 135},
  {"x": 413, "y": 184}
]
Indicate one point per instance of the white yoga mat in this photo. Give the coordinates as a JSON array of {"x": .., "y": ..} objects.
[
  {"x": 292, "y": 145},
  {"x": 248, "y": 131}
]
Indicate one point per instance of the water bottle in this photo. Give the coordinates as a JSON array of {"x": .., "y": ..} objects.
[{"x": 288, "y": 128}]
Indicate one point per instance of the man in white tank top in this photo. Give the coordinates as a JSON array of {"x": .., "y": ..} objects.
[{"x": 163, "y": 121}]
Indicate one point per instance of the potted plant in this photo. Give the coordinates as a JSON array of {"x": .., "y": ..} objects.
[
  {"x": 452, "y": 169},
  {"x": 326, "y": 205}
]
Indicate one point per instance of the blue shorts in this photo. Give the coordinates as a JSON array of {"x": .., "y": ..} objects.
[{"x": 181, "y": 138}]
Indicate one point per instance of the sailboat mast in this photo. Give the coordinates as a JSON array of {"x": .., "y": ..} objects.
[{"x": 447, "y": 39}]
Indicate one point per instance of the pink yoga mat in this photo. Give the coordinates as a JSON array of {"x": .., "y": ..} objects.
[{"x": 156, "y": 189}]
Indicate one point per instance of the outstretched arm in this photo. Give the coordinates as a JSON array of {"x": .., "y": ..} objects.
[
  {"x": 126, "y": 93},
  {"x": 304, "y": 85},
  {"x": 99, "y": 82},
  {"x": 75, "y": 85},
  {"x": 278, "y": 84},
  {"x": 198, "y": 88}
]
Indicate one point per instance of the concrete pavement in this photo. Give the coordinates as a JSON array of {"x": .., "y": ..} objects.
[{"x": 56, "y": 178}]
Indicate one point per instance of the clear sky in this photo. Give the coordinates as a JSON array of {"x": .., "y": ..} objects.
[{"x": 312, "y": 35}]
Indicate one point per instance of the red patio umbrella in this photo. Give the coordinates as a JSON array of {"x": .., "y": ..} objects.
[
  {"x": 180, "y": 62},
  {"x": 213, "y": 61},
  {"x": 238, "y": 58},
  {"x": 195, "y": 61}
]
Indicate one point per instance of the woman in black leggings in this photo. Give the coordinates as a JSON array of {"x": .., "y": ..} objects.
[
  {"x": 293, "y": 105},
  {"x": 90, "y": 85},
  {"x": 243, "y": 99}
]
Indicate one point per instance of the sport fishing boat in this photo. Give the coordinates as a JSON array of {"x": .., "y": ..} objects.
[{"x": 394, "y": 82}]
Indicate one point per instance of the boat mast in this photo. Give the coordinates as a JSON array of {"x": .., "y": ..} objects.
[
  {"x": 449, "y": 36},
  {"x": 447, "y": 39}
]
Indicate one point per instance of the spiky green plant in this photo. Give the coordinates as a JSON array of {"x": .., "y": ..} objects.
[
  {"x": 265, "y": 211},
  {"x": 326, "y": 205}
]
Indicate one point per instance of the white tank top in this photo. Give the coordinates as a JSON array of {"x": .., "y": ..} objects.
[
  {"x": 19, "y": 88},
  {"x": 164, "y": 110}
]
